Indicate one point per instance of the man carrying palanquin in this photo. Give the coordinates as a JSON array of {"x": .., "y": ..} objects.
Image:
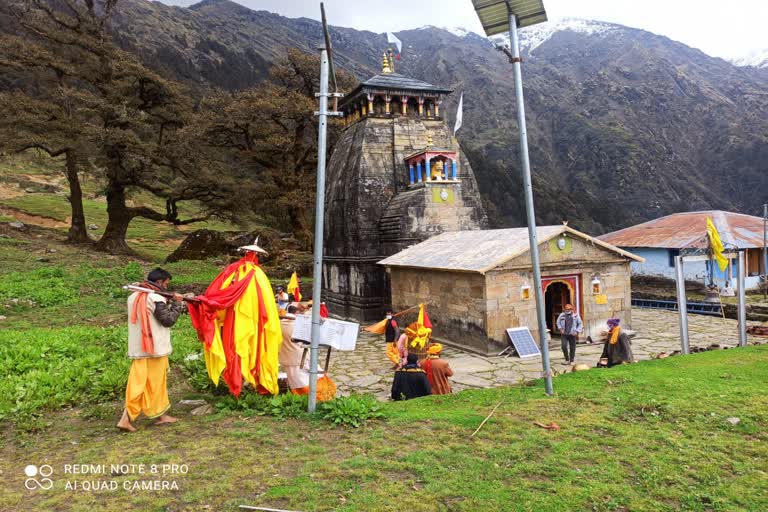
[
  {"x": 150, "y": 318},
  {"x": 291, "y": 353}
]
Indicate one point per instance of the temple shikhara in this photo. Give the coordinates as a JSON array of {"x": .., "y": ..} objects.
[{"x": 396, "y": 178}]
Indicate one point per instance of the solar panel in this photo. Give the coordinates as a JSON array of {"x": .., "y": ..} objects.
[{"x": 523, "y": 341}]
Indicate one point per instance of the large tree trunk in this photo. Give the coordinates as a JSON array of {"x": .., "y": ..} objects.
[
  {"x": 119, "y": 216},
  {"x": 78, "y": 232}
]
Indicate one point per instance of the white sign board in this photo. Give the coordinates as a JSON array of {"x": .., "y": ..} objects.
[{"x": 338, "y": 334}]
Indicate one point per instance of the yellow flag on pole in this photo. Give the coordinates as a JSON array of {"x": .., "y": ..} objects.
[
  {"x": 293, "y": 287},
  {"x": 716, "y": 245}
]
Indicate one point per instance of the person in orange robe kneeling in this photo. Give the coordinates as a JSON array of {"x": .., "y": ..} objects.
[
  {"x": 150, "y": 318},
  {"x": 437, "y": 370}
]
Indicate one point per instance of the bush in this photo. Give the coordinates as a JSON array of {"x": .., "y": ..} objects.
[
  {"x": 44, "y": 287},
  {"x": 353, "y": 410},
  {"x": 283, "y": 406},
  {"x": 46, "y": 368}
]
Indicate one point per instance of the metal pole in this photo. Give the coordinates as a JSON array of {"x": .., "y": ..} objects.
[
  {"x": 765, "y": 251},
  {"x": 525, "y": 163},
  {"x": 682, "y": 304},
  {"x": 319, "y": 217},
  {"x": 742, "y": 300}
]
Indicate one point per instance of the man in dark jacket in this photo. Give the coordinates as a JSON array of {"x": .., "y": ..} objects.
[{"x": 410, "y": 381}]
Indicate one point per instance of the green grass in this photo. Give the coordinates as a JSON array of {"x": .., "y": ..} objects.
[{"x": 651, "y": 436}]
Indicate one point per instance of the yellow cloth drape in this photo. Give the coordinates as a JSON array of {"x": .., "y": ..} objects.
[
  {"x": 393, "y": 353},
  {"x": 147, "y": 389},
  {"x": 293, "y": 287},
  {"x": 717, "y": 245},
  {"x": 614, "y": 335},
  {"x": 247, "y": 345}
]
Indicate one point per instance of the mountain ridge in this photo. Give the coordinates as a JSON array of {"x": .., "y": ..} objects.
[{"x": 624, "y": 125}]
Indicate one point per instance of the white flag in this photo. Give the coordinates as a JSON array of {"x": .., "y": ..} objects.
[
  {"x": 392, "y": 39},
  {"x": 459, "y": 114}
]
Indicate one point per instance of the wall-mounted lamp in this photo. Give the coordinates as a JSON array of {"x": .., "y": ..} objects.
[
  {"x": 597, "y": 286},
  {"x": 525, "y": 292}
]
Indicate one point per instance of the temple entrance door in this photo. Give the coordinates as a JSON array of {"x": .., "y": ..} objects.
[{"x": 556, "y": 296}]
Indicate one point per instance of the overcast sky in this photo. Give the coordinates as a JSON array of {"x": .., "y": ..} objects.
[{"x": 724, "y": 28}]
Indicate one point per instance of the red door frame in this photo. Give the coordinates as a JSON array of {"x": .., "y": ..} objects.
[{"x": 573, "y": 282}]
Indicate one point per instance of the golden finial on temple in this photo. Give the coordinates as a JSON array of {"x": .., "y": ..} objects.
[
  {"x": 429, "y": 139},
  {"x": 385, "y": 64}
]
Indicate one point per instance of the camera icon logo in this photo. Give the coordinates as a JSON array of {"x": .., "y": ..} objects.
[{"x": 43, "y": 472}]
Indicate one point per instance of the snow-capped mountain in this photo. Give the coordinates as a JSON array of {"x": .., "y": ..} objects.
[
  {"x": 755, "y": 59},
  {"x": 533, "y": 37}
]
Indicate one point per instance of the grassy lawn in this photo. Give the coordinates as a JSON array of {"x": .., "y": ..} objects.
[{"x": 651, "y": 436}]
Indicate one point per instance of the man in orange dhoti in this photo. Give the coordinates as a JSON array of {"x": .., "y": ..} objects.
[{"x": 150, "y": 318}]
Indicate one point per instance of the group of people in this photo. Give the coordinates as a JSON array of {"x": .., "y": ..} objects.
[
  {"x": 617, "y": 348},
  {"x": 414, "y": 378},
  {"x": 154, "y": 310}
]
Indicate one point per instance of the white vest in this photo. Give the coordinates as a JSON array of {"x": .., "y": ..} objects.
[{"x": 160, "y": 335}]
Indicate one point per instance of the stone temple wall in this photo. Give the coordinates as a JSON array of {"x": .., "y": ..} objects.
[{"x": 372, "y": 212}]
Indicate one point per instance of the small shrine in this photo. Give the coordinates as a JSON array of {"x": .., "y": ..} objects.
[
  {"x": 391, "y": 94},
  {"x": 432, "y": 164}
]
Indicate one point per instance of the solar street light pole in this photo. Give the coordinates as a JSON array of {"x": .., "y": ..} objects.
[{"x": 528, "y": 188}]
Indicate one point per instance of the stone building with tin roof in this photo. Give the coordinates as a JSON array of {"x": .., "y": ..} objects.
[{"x": 479, "y": 283}]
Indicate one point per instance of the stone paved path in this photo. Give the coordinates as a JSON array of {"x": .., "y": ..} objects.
[{"x": 367, "y": 369}]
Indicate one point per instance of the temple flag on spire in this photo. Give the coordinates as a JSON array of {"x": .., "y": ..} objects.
[
  {"x": 394, "y": 40},
  {"x": 459, "y": 114}
]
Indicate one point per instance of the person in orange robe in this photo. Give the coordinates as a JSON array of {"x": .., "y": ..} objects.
[
  {"x": 437, "y": 370},
  {"x": 150, "y": 318}
]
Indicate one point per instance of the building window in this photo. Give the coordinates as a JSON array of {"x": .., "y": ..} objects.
[{"x": 672, "y": 254}]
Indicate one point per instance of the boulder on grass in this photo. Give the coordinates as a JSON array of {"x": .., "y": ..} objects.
[{"x": 200, "y": 245}]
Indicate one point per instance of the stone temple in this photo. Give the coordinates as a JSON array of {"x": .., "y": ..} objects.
[{"x": 395, "y": 178}]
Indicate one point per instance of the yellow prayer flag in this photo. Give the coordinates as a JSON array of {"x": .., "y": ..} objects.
[
  {"x": 293, "y": 287},
  {"x": 716, "y": 245}
]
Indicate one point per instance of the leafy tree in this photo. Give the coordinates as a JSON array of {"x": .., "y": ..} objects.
[
  {"x": 274, "y": 126},
  {"x": 138, "y": 128}
]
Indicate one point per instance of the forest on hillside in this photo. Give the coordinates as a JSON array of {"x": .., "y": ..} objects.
[{"x": 71, "y": 93}]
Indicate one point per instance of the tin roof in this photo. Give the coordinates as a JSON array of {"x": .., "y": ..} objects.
[
  {"x": 689, "y": 230},
  {"x": 483, "y": 250},
  {"x": 398, "y": 81},
  {"x": 394, "y": 82}
]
